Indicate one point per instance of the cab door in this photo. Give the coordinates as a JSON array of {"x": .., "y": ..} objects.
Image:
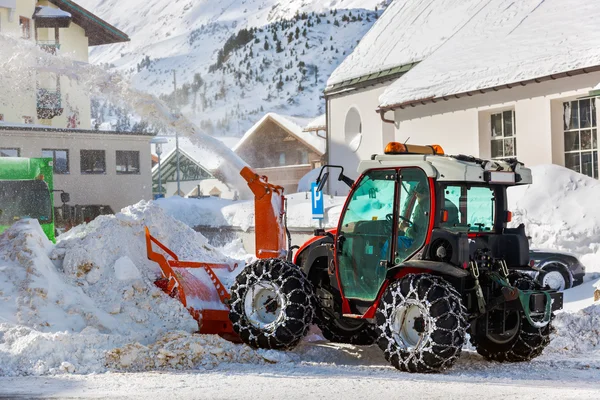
[
  {"x": 385, "y": 222},
  {"x": 364, "y": 234}
]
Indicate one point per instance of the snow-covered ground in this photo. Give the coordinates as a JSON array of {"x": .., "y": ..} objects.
[{"x": 83, "y": 318}]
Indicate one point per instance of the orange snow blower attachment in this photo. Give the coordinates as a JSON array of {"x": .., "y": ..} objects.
[
  {"x": 196, "y": 285},
  {"x": 269, "y": 210}
]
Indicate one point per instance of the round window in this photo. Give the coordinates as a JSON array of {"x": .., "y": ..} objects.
[{"x": 353, "y": 129}]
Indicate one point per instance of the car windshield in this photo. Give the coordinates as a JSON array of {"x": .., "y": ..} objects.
[
  {"x": 24, "y": 199},
  {"x": 469, "y": 208}
]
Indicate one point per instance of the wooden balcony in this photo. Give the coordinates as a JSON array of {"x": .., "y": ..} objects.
[{"x": 49, "y": 46}]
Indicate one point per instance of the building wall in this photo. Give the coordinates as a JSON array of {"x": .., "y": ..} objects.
[
  {"x": 109, "y": 188},
  {"x": 375, "y": 133},
  {"x": 75, "y": 100},
  {"x": 463, "y": 125}
]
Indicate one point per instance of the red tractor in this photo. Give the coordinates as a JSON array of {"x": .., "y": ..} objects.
[{"x": 421, "y": 256}]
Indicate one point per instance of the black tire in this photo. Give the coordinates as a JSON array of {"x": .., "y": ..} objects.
[
  {"x": 441, "y": 318},
  {"x": 524, "y": 343},
  {"x": 271, "y": 304},
  {"x": 347, "y": 330},
  {"x": 555, "y": 268}
]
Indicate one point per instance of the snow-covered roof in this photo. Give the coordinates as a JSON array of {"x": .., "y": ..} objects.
[
  {"x": 506, "y": 42},
  {"x": 49, "y": 12},
  {"x": 292, "y": 125},
  {"x": 407, "y": 32},
  {"x": 199, "y": 155},
  {"x": 317, "y": 124}
]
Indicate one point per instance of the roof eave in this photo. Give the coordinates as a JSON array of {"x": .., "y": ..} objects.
[
  {"x": 435, "y": 99},
  {"x": 104, "y": 33}
]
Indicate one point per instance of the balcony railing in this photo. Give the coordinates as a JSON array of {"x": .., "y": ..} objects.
[
  {"x": 49, "y": 103},
  {"x": 49, "y": 46}
]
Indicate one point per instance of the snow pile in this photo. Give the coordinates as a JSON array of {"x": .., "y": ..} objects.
[
  {"x": 560, "y": 212},
  {"x": 63, "y": 306},
  {"x": 577, "y": 332},
  {"x": 180, "y": 350}
]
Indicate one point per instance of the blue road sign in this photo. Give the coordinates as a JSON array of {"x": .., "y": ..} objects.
[
  {"x": 158, "y": 196},
  {"x": 316, "y": 200}
]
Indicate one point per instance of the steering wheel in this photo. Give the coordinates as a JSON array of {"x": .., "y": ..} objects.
[{"x": 388, "y": 227}]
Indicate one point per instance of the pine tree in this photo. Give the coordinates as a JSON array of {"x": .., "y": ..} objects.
[
  {"x": 279, "y": 48},
  {"x": 290, "y": 37},
  {"x": 266, "y": 46}
]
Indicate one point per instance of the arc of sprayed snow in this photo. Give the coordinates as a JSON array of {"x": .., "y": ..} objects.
[{"x": 23, "y": 58}]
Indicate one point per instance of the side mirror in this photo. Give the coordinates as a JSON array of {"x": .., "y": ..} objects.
[
  {"x": 321, "y": 183},
  {"x": 65, "y": 197}
]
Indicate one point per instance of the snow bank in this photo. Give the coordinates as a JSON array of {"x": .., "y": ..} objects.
[
  {"x": 560, "y": 212},
  {"x": 63, "y": 306},
  {"x": 181, "y": 350},
  {"x": 577, "y": 332}
]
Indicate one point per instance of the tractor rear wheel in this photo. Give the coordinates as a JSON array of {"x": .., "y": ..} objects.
[
  {"x": 421, "y": 323},
  {"x": 271, "y": 304},
  {"x": 521, "y": 340}
]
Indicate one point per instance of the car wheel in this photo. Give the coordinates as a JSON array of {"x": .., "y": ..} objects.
[{"x": 555, "y": 276}]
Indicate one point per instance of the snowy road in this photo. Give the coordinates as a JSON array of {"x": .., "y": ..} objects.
[{"x": 326, "y": 370}]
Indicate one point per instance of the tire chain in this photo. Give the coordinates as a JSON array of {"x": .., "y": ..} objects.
[
  {"x": 530, "y": 341},
  {"x": 431, "y": 356},
  {"x": 297, "y": 310}
]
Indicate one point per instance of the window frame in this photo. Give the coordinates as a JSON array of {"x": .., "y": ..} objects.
[
  {"x": 18, "y": 149},
  {"x": 68, "y": 170},
  {"x": 127, "y": 172},
  {"x": 580, "y": 131},
  {"x": 502, "y": 138},
  {"x": 81, "y": 157},
  {"x": 25, "y": 23}
]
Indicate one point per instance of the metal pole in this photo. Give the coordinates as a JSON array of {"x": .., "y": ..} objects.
[
  {"x": 177, "y": 150},
  {"x": 158, "y": 151}
]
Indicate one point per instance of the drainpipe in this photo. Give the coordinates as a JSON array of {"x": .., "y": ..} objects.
[{"x": 383, "y": 118}]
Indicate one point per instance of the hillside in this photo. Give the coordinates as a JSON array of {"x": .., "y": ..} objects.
[{"x": 234, "y": 60}]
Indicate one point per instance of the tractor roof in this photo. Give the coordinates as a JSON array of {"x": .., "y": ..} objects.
[{"x": 455, "y": 168}]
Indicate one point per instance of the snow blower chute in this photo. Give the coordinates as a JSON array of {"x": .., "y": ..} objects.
[{"x": 197, "y": 284}]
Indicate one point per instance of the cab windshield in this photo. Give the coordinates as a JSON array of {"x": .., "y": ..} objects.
[
  {"x": 469, "y": 208},
  {"x": 24, "y": 199}
]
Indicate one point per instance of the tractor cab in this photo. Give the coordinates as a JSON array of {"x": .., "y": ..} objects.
[{"x": 414, "y": 209}]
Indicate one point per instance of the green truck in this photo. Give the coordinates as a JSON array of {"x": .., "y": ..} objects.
[{"x": 26, "y": 191}]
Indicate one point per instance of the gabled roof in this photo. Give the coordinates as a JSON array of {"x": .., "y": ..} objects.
[
  {"x": 292, "y": 125},
  {"x": 507, "y": 43},
  {"x": 97, "y": 30},
  {"x": 406, "y": 33},
  {"x": 170, "y": 158}
]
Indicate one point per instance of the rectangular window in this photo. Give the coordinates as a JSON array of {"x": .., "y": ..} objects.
[
  {"x": 27, "y": 119},
  {"x": 469, "y": 208},
  {"x": 504, "y": 143},
  {"x": 581, "y": 142},
  {"x": 25, "y": 24},
  {"x": 1, "y": 117},
  {"x": 93, "y": 162},
  {"x": 281, "y": 158},
  {"x": 128, "y": 162},
  {"x": 61, "y": 160},
  {"x": 10, "y": 152}
]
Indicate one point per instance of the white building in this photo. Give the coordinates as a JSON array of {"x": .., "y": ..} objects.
[{"x": 490, "y": 79}]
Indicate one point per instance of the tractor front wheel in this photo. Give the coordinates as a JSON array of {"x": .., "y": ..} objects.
[
  {"x": 271, "y": 304},
  {"x": 422, "y": 323}
]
